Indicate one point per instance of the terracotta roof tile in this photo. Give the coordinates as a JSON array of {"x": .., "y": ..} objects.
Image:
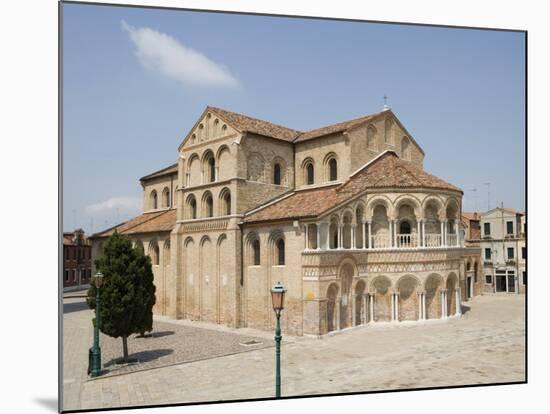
[
  {"x": 334, "y": 128},
  {"x": 470, "y": 216},
  {"x": 387, "y": 171},
  {"x": 246, "y": 123},
  {"x": 303, "y": 203},
  {"x": 171, "y": 169},
  {"x": 144, "y": 223}
]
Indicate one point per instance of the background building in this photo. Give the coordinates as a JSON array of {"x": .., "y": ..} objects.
[
  {"x": 473, "y": 281},
  {"x": 503, "y": 250},
  {"x": 77, "y": 260}
]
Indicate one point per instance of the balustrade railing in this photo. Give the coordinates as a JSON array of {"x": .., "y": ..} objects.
[
  {"x": 405, "y": 241},
  {"x": 380, "y": 241},
  {"x": 452, "y": 239},
  {"x": 433, "y": 240},
  {"x": 402, "y": 241}
]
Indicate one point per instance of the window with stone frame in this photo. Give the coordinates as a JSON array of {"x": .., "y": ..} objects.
[
  {"x": 487, "y": 253},
  {"x": 486, "y": 229},
  {"x": 509, "y": 227},
  {"x": 489, "y": 279},
  {"x": 510, "y": 253}
]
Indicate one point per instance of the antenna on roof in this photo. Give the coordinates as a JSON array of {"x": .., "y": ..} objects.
[
  {"x": 488, "y": 195},
  {"x": 386, "y": 107},
  {"x": 474, "y": 190}
]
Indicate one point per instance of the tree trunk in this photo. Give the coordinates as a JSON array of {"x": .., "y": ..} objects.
[{"x": 125, "y": 348}]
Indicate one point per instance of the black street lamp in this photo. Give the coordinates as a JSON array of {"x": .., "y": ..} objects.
[
  {"x": 278, "y": 298},
  {"x": 96, "y": 350}
]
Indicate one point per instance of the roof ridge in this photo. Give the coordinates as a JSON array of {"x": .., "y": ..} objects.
[
  {"x": 154, "y": 214},
  {"x": 215, "y": 109},
  {"x": 159, "y": 171}
]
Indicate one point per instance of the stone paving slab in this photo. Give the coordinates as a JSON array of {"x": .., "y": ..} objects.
[
  {"x": 485, "y": 345},
  {"x": 174, "y": 344}
]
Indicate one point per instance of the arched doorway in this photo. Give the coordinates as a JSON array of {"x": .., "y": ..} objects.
[
  {"x": 332, "y": 294},
  {"x": 346, "y": 277}
]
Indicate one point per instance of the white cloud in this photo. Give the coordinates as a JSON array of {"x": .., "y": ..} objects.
[
  {"x": 123, "y": 204},
  {"x": 161, "y": 52}
]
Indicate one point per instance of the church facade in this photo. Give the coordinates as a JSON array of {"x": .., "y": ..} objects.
[{"x": 344, "y": 216}]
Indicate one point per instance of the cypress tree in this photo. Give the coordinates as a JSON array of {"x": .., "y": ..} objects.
[{"x": 127, "y": 294}]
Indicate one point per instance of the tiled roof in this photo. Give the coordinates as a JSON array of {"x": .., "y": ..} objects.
[
  {"x": 303, "y": 203},
  {"x": 386, "y": 171},
  {"x": 145, "y": 223},
  {"x": 390, "y": 171},
  {"x": 471, "y": 216},
  {"x": 334, "y": 128},
  {"x": 171, "y": 169},
  {"x": 246, "y": 123}
]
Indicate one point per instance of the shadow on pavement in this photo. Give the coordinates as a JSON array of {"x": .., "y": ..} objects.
[
  {"x": 142, "y": 357},
  {"x": 75, "y": 307},
  {"x": 465, "y": 308}
]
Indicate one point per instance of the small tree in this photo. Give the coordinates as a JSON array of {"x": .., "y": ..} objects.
[{"x": 127, "y": 294}]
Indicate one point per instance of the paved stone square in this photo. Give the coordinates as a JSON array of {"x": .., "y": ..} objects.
[{"x": 485, "y": 345}]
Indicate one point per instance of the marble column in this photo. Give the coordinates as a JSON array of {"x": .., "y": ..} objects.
[
  {"x": 394, "y": 233},
  {"x": 353, "y": 299},
  {"x": 365, "y": 308},
  {"x": 418, "y": 238},
  {"x": 396, "y": 306},
  {"x": 423, "y": 297},
  {"x": 353, "y": 230},
  {"x": 393, "y": 307},
  {"x": 337, "y": 312},
  {"x": 371, "y": 307},
  {"x": 369, "y": 225},
  {"x": 318, "y": 236},
  {"x": 443, "y": 303},
  {"x": 456, "y": 232},
  {"x": 340, "y": 245},
  {"x": 423, "y": 233},
  {"x": 442, "y": 226},
  {"x": 364, "y": 235},
  {"x": 306, "y": 233}
]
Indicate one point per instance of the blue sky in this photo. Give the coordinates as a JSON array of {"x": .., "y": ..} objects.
[{"x": 136, "y": 79}]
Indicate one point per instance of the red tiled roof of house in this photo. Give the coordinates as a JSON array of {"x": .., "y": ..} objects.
[
  {"x": 386, "y": 171},
  {"x": 471, "y": 216},
  {"x": 171, "y": 169},
  {"x": 303, "y": 203},
  {"x": 246, "y": 123},
  {"x": 390, "y": 171},
  {"x": 334, "y": 128},
  {"x": 145, "y": 223}
]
